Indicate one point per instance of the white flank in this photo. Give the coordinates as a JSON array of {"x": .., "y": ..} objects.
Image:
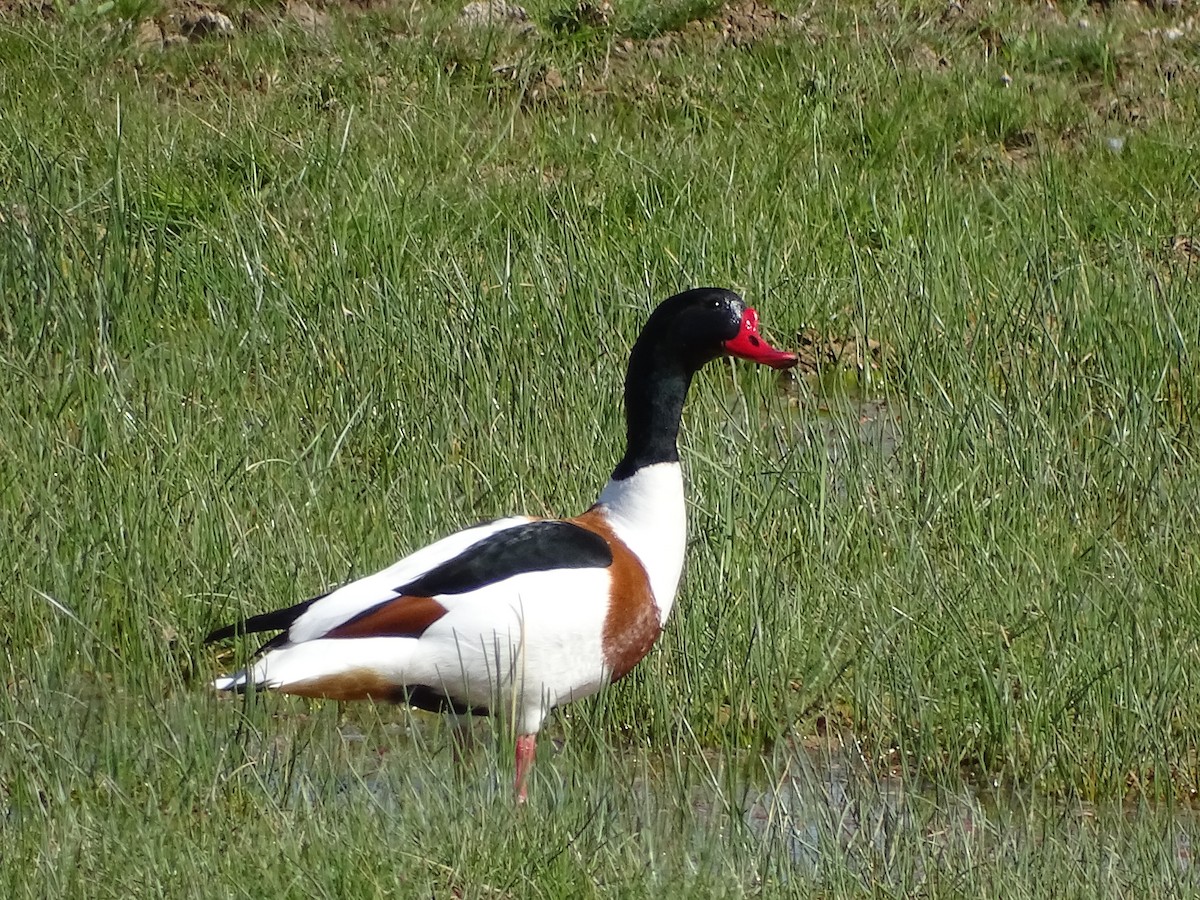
[
  {"x": 519, "y": 647},
  {"x": 647, "y": 512},
  {"x": 523, "y": 645},
  {"x": 358, "y": 596}
]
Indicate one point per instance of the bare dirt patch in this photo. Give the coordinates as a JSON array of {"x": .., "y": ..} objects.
[
  {"x": 740, "y": 23},
  {"x": 183, "y": 21},
  {"x": 747, "y": 22},
  {"x": 819, "y": 351},
  {"x": 26, "y": 7}
]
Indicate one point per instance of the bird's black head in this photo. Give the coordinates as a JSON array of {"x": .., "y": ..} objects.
[
  {"x": 680, "y": 336},
  {"x": 701, "y": 324}
]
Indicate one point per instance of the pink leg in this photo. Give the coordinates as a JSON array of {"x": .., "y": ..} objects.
[{"x": 526, "y": 748}]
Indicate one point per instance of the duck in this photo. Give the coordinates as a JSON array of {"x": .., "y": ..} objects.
[{"x": 520, "y": 615}]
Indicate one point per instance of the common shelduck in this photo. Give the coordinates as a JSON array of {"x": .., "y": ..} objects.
[{"x": 520, "y": 615}]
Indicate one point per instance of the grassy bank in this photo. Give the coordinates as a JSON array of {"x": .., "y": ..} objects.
[{"x": 280, "y": 305}]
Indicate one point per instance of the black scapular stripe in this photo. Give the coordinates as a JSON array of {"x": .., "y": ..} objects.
[{"x": 532, "y": 547}]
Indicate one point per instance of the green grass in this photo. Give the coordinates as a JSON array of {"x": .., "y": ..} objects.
[{"x": 278, "y": 309}]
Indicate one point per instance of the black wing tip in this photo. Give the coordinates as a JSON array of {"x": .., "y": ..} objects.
[
  {"x": 225, "y": 631},
  {"x": 276, "y": 620}
]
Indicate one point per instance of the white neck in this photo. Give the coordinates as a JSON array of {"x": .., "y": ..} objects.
[{"x": 647, "y": 512}]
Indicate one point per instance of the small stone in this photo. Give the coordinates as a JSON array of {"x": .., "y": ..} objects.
[
  {"x": 199, "y": 23},
  {"x": 596, "y": 15},
  {"x": 306, "y": 17},
  {"x": 254, "y": 20},
  {"x": 17, "y": 214},
  {"x": 1185, "y": 247},
  {"x": 149, "y": 36},
  {"x": 492, "y": 13}
]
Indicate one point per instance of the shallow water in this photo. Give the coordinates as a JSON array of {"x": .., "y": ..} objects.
[
  {"x": 844, "y": 412},
  {"x": 821, "y": 808},
  {"x": 821, "y": 815},
  {"x": 837, "y": 417}
]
